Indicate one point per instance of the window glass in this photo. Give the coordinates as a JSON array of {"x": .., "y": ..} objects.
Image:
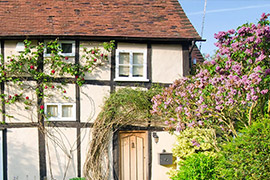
[
  {"x": 52, "y": 110},
  {"x": 137, "y": 58},
  {"x": 67, "y": 110},
  {"x": 137, "y": 71},
  {"x": 123, "y": 58},
  {"x": 123, "y": 71},
  {"x": 131, "y": 65},
  {"x": 66, "y": 47}
]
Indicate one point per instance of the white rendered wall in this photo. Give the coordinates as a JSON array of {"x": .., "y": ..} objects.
[
  {"x": 61, "y": 153},
  {"x": 166, "y": 141},
  {"x": 92, "y": 101},
  {"x": 102, "y": 72},
  {"x": 167, "y": 63},
  {"x": 17, "y": 109},
  {"x": 23, "y": 158}
]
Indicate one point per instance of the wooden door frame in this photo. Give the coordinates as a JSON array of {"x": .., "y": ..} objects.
[{"x": 116, "y": 152}]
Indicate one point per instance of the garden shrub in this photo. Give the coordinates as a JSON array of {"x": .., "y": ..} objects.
[
  {"x": 194, "y": 140},
  {"x": 197, "y": 166},
  {"x": 247, "y": 156},
  {"x": 189, "y": 143}
]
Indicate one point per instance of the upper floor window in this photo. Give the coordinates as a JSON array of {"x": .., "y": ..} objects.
[
  {"x": 67, "y": 47},
  {"x": 60, "y": 111},
  {"x": 131, "y": 65}
]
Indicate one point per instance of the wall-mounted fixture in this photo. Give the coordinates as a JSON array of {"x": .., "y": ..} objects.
[
  {"x": 165, "y": 158},
  {"x": 20, "y": 47},
  {"x": 155, "y": 136}
]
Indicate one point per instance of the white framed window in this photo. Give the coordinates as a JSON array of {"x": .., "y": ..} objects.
[
  {"x": 131, "y": 65},
  {"x": 68, "y": 48},
  {"x": 60, "y": 111}
]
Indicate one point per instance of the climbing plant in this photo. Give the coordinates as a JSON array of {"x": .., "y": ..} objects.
[
  {"x": 32, "y": 72},
  {"x": 126, "y": 106},
  {"x": 17, "y": 70}
]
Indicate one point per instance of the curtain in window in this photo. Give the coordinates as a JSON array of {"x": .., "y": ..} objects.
[
  {"x": 124, "y": 64},
  {"x": 67, "y": 111},
  {"x": 137, "y": 65},
  {"x": 52, "y": 110}
]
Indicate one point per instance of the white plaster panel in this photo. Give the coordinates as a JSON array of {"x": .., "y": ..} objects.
[
  {"x": 131, "y": 46},
  {"x": 165, "y": 142},
  {"x": 10, "y": 48},
  {"x": 23, "y": 158},
  {"x": 101, "y": 72},
  {"x": 17, "y": 109},
  {"x": 92, "y": 100},
  {"x": 47, "y": 68},
  {"x": 61, "y": 153},
  {"x": 167, "y": 63},
  {"x": 57, "y": 95},
  {"x": 86, "y": 136}
]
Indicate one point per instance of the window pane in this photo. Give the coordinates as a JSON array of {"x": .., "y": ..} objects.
[
  {"x": 66, "y": 47},
  {"x": 137, "y": 58},
  {"x": 137, "y": 71},
  {"x": 123, "y": 71},
  {"x": 52, "y": 110},
  {"x": 67, "y": 110},
  {"x": 123, "y": 58}
]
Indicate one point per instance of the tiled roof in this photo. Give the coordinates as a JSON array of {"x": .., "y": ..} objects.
[{"x": 121, "y": 18}]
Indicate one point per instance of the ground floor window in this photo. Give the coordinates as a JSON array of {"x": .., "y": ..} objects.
[{"x": 60, "y": 111}]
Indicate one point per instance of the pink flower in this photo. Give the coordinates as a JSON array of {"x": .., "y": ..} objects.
[
  {"x": 27, "y": 97},
  {"x": 264, "y": 91},
  {"x": 195, "y": 143},
  {"x": 53, "y": 71},
  {"x": 41, "y": 107},
  {"x": 32, "y": 67}
]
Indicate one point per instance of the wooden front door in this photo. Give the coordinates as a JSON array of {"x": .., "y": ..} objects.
[{"x": 133, "y": 155}]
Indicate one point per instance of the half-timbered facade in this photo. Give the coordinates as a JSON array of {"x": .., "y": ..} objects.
[{"x": 152, "y": 38}]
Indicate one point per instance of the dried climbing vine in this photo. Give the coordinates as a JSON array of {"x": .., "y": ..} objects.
[{"x": 127, "y": 106}]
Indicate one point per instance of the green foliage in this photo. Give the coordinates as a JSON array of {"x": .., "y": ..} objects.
[
  {"x": 247, "y": 156},
  {"x": 124, "y": 107},
  {"x": 193, "y": 140},
  {"x": 78, "y": 178},
  {"x": 30, "y": 64},
  {"x": 196, "y": 167}
]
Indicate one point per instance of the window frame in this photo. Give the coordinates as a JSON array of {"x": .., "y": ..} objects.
[
  {"x": 130, "y": 77},
  {"x": 59, "y": 112},
  {"x": 72, "y": 54}
]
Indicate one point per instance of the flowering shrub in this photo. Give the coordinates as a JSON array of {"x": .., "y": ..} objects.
[
  {"x": 227, "y": 92},
  {"x": 17, "y": 70},
  {"x": 194, "y": 140}
]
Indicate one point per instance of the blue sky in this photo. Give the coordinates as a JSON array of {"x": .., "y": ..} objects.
[{"x": 222, "y": 15}]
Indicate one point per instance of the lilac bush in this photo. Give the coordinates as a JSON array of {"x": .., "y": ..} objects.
[{"x": 227, "y": 92}]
